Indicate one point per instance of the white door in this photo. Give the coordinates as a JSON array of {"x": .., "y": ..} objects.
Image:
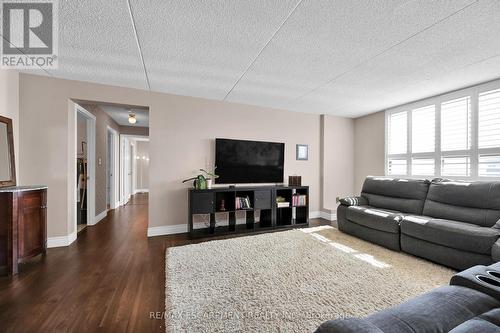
[{"x": 127, "y": 170}]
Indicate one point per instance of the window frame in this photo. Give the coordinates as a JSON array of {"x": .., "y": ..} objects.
[{"x": 473, "y": 153}]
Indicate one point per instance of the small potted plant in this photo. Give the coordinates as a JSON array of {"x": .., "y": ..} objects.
[{"x": 210, "y": 177}]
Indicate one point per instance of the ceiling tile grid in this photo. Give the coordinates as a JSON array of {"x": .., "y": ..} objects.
[
  {"x": 324, "y": 39},
  {"x": 200, "y": 48},
  {"x": 415, "y": 69},
  {"x": 342, "y": 57},
  {"x": 97, "y": 44}
]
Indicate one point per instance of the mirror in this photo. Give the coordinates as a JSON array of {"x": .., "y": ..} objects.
[{"x": 7, "y": 164}]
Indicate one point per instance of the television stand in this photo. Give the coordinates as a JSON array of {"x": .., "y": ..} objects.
[{"x": 259, "y": 204}]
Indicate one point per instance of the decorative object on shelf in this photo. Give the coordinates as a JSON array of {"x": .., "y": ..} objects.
[
  {"x": 243, "y": 203},
  {"x": 281, "y": 202},
  {"x": 299, "y": 200},
  {"x": 302, "y": 152},
  {"x": 199, "y": 182},
  {"x": 211, "y": 177},
  {"x": 222, "y": 207},
  {"x": 294, "y": 180}
]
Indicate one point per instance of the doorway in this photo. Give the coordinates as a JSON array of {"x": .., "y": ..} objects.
[
  {"x": 112, "y": 169},
  {"x": 134, "y": 166},
  {"x": 85, "y": 128}
]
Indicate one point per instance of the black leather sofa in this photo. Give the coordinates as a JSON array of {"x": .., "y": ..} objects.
[
  {"x": 456, "y": 224},
  {"x": 471, "y": 303}
]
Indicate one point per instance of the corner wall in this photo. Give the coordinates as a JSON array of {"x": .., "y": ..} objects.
[
  {"x": 369, "y": 148},
  {"x": 337, "y": 161}
]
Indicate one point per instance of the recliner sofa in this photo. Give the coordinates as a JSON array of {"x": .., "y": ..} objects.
[
  {"x": 454, "y": 223},
  {"x": 466, "y": 305}
]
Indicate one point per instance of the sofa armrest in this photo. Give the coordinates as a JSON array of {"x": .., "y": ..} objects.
[
  {"x": 348, "y": 325},
  {"x": 495, "y": 251},
  {"x": 353, "y": 201}
]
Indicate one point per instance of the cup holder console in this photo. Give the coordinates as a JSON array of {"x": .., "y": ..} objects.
[
  {"x": 495, "y": 274},
  {"x": 480, "y": 278},
  {"x": 485, "y": 279}
]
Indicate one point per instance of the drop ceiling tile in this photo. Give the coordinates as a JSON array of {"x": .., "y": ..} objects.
[
  {"x": 324, "y": 39},
  {"x": 200, "y": 48},
  {"x": 419, "y": 67},
  {"x": 97, "y": 44}
]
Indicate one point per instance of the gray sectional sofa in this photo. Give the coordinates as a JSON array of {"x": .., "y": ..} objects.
[
  {"x": 467, "y": 305},
  {"x": 456, "y": 224}
]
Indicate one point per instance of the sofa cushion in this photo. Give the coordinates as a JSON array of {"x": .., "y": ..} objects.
[
  {"x": 454, "y": 234},
  {"x": 439, "y": 310},
  {"x": 375, "y": 218},
  {"x": 404, "y": 195},
  {"x": 471, "y": 202},
  {"x": 488, "y": 322}
]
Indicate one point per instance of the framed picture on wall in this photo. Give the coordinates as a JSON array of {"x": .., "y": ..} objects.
[{"x": 302, "y": 152}]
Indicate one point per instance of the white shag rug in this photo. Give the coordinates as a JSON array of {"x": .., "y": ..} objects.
[{"x": 289, "y": 281}]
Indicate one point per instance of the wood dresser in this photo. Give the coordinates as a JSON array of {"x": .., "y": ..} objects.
[{"x": 23, "y": 225}]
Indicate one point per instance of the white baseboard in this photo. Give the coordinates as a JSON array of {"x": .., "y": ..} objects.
[
  {"x": 99, "y": 217},
  {"x": 314, "y": 215},
  {"x": 328, "y": 216},
  {"x": 141, "y": 190},
  {"x": 167, "y": 230},
  {"x": 61, "y": 241}
]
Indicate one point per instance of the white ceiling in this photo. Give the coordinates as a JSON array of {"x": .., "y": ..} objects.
[
  {"x": 120, "y": 115},
  {"x": 341, "y": 57}
]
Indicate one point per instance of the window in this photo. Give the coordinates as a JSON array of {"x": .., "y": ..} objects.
[
  {"x": 451, "y": 137},
  {"x": 397, "y": 166},
  {"x": 422, "y": 166},
  {"x": 456, "y": 125},
  {"x": 398, "y": 133},
  {"x": 489, "y": 119},
  {"x": 423, "y": 129},
  {"x": 455, "y": 166}
]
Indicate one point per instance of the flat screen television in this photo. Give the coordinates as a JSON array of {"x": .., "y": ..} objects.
[{"x": 241, "y": 161}]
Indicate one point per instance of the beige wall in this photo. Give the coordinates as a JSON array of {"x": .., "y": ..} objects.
[
  {"x": 182, "y": 140},
  {"x": 337, "y": 160},
  {"x": 132, "y": 130},
  {"x": 142, "y": 165},
  {"x": 9, "y": 106},
  {"x": 369, "y": 148},
  {"x": 182, "y": 133},
  {"x": 103, "y": 120},
  {"x": 81, "y": 135}
]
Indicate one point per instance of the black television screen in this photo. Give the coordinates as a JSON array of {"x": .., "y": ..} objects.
[{"x": 241, "y": 161}]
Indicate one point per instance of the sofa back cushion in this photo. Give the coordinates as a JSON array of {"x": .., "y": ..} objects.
[
  {"x": 403, "y": 195},
  {"x": 471, "y": 202}
]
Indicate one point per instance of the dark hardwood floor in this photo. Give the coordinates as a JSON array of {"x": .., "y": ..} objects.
[{"x": 109, "y": 280}]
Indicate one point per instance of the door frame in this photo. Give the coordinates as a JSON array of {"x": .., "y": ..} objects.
[
  {"x": 91, "y": 133},
  {"x": 114, "y": 167},
  {"x": 124, "y": 140}
]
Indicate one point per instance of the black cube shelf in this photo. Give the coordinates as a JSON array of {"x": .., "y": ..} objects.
[{"x": 262, "y": 203}]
